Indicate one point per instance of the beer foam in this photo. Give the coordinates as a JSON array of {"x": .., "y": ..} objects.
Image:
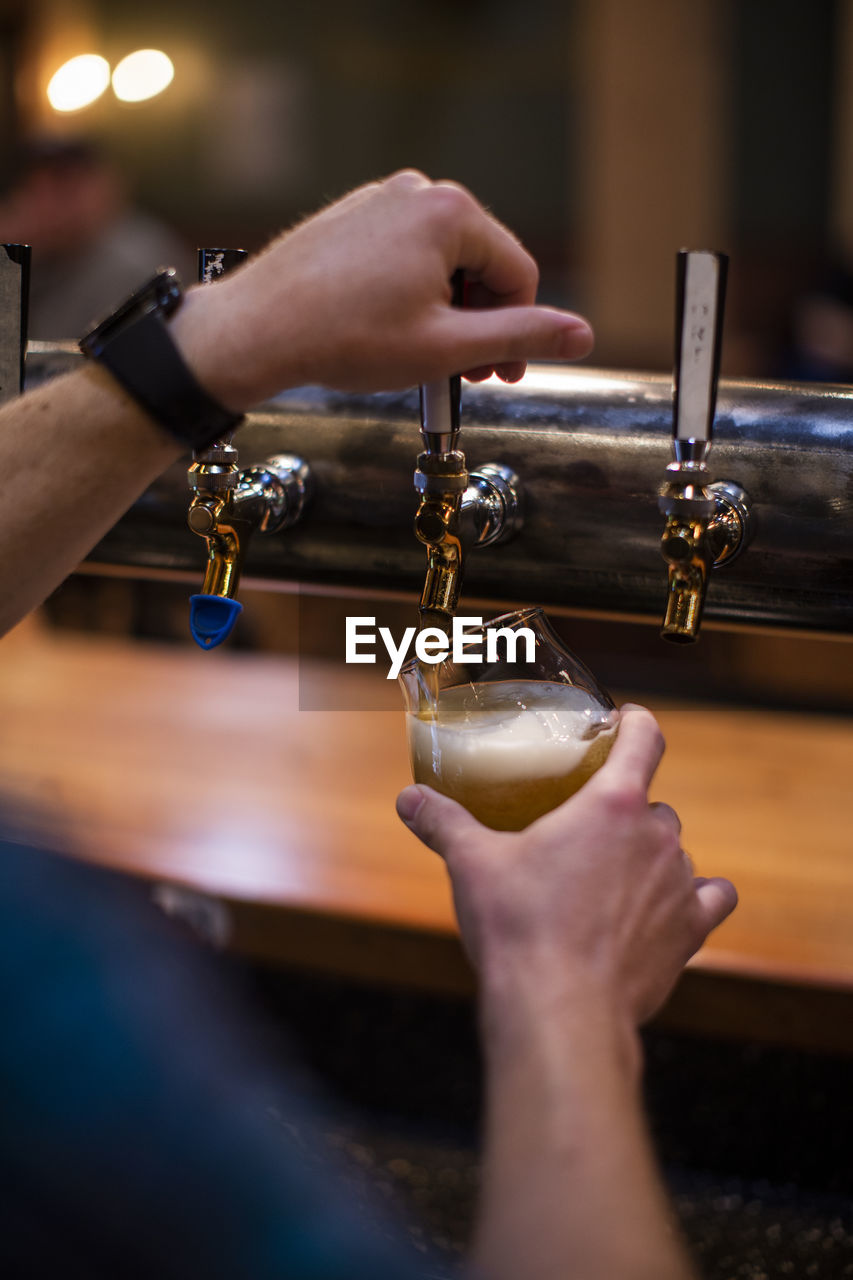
[{"x": 509, "y": 731}]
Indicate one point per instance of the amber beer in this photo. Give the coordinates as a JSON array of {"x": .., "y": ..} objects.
[{"x": 510, "y": 751}]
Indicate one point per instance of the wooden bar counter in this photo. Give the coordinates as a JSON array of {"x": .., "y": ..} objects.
[{"x": 199, "y": 772}]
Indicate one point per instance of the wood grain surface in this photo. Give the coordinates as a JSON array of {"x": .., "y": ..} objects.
[{"x": 201, "y": 771}]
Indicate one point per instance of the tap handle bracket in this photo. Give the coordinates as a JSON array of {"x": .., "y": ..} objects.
[
  {"x": 281, "y": 487},
  {"x": 492, "y": 505},
  {"x": 731, "y": 527}
]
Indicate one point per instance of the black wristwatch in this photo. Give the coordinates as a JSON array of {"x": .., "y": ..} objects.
[{"x": 134, "y": 343}]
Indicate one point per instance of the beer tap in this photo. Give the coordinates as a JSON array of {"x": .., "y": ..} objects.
[
  {"x": 456, "y": 510},
  {"x": 14, "y": 304},
  {"x": 707, "y": 524},
  {"x": 229, "y": 505},
  {"x": 441, "y": 479}
]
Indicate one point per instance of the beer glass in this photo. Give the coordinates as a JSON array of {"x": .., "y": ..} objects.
[{"x": 510, "y": 726}]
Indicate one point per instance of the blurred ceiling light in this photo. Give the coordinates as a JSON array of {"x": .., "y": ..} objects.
[
  {"x": 78, "y": 82},
  {"x": 142, "y": 75}
]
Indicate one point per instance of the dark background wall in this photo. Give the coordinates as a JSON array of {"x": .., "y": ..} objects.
[
  {"x": 278, "y": 107},
  {"x": 299, "y": 102}
]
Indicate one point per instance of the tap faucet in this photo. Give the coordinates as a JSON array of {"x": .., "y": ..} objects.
[
  {"x": 707, "y": 524},
  {"x": 441, "y": 479},
  {"x": 456, "y": 510},
  {"x": 229, "y": 505},
  {"x": 14, "y": 304}
]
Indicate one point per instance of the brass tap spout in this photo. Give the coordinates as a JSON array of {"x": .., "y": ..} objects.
[
  {"x": 228, "y": 506},
  {"x": 689, "y": 506},
  {"x": 443, "y": 580},
  {"x": 214, "y": 477},
  {"x": 707, "y": 525},
  {"x": 441, "y": 480},
  {"x": 685, "y": 547},
  {"x": 227, "y": 536}
]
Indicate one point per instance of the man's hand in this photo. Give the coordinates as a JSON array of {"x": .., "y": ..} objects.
[
  {"x": 597, "y": 898},
  {"x": 358, "y": 298},
  {"x": 579, "y": 927}
]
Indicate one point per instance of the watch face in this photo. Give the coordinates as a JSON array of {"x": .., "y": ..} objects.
[{"x": 162, "y": 293}]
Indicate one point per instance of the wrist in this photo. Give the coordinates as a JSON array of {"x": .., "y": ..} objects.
[
  {"x": 139, "y": 349},
  {"x": 520, "y": 1005},
  {"x": 205, "y": 337}
]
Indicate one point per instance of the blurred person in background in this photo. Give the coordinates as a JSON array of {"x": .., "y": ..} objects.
[
  {"x": 818, "y": 343},
  {"x": 91, "y": 245}
]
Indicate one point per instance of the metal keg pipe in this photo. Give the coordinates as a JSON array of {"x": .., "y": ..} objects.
[{"x": 590, "y": 446}]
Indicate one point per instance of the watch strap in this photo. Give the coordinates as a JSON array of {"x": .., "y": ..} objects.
[{"x": 144, "y": 359}]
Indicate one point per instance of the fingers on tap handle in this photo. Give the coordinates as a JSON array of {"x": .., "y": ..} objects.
[{"x": 700, "y": 301}]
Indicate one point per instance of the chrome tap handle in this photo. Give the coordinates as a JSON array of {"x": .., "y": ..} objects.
[
  {"x": 440, "y": 405},
  {"x": 14, "y": 302},
  {"x": 441, "y": 400},
  {"x": 700, "y": 300}
]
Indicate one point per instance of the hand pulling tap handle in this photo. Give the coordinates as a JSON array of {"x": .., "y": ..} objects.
[
  {"x": 14, "y": 304},
  {"x": 700, "y": 299}
]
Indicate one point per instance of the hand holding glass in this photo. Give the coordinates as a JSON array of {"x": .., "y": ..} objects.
[{"x": 508, "y": 738}]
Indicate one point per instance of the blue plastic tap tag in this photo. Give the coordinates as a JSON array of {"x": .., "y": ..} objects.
[{"x": 212, "y": 619}]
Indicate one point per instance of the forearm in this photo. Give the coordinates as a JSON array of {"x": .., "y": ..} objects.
[
  {"x": 76, "y": 453},
  {"x": 570, "y": 1189}
]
